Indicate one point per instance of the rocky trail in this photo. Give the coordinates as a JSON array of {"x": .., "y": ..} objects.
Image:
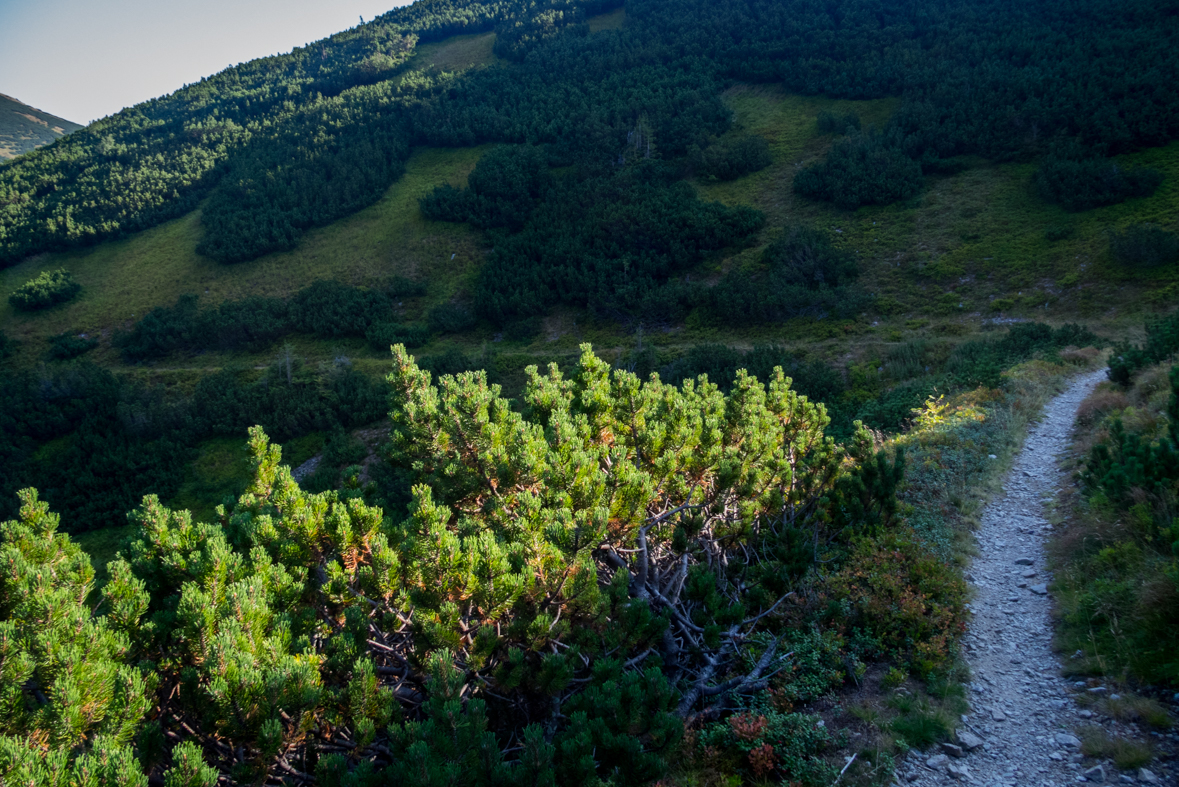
[{"x": 1024, "y": 715}]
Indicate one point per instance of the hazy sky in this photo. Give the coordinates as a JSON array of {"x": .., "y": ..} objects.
[{"x": 85, "y": 59}]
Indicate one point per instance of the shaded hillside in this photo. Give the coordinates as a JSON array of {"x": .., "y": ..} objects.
[{"x": 24, "y": 128}]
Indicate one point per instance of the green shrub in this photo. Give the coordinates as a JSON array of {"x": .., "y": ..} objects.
[
  {"x": 1144, "y": 246},
  {"x": 805, "y": 257},
  {"x": 326, "y": 309},
  {"x": 1078, "y": 182},
  {"x": 502, "y": 190},
  {"x": 401, "y": 287},
  {"x": 893, "y": 409},
  {"x": 768, "y": 743},
  {"x": 69, "y": 345},
  {"x": 48, "y": 289},
  {"x": 1058, "y": 232},
  {"x": 731, "y": 158},
  {"x": 982, "y": 361},
  {"x": 1162, "y": 340},
  {"x": 829, "y": 122},
  {"x": 1124, "y": 590},
  {"x": 331, "y": 310},
  {"x": 818, "y": 381},
  {"x": 383, "y": 335},
  {"x": 861, "y": 169},
  {"x": 523, "y": 330},
  {"x": 451, "y": 317},
  {"x": 919, "y": 723}
]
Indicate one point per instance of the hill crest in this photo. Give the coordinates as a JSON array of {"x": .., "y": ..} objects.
[{"x": 24, "y": 128}]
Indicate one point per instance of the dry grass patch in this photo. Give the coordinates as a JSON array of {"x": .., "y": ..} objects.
[
  {"x": 1084, "y": 356},
  {"x": 1105, "y": 399}
]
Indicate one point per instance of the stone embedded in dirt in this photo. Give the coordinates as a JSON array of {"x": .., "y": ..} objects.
[
  {"x": 1056, "y": 756},
  {"x": 1097, "y": 690},
  {"x": 969, "y": 740},
  {"x": 998, "y": 715},
  {"x": 1086, "y": 714},
  {"x": 937, "y": 761},
  {"x": 1064, "y": 739},
  {"x": 1095, "y": 774},
  {"x": 1040, "y": 590},
  {"x": 952, "y": 750},
  {"x": 1024, "y": 561},
  {"x": 1147, "y": 776},
  {"x": 1028, "y": 573}
]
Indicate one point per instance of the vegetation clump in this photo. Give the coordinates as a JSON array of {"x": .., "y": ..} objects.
[
  {"x": 1144, "y": 246},
  {"x": 69, "y": 345},
  {"x": 567, "y": 585},
  {"x": 326, "y": 309},
  {"x": 730, "y": 159},
  {"x": 1162, "y": 340},
  {"x": 861, "y": 169},
  {"x": 49, "y": 288},
  {"x": 1120, "y": 559},
  {"x": 803, "y": 273},
  {"x": 1079, "y": 182},
  {"x": 829, "y": 122}
]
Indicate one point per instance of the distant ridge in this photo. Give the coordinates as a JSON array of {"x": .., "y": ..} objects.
[{"x": 23, "y": 128}]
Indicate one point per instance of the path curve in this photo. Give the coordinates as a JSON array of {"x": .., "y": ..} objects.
[{"x": 1020, "y": 727}]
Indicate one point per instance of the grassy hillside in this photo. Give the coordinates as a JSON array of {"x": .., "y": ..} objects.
[
  {"x": 24, "y": 128},
  {"x": 972, "y": 248},
  {"x": 970, "y": 252},
  {"x": 126, "y": 279}
]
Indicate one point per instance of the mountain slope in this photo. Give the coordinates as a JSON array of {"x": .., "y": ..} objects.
[
  {"x": 284, "y": 144},
  {"x": 24, "y": 128}
]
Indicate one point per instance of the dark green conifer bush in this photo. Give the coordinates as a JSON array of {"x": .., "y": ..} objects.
[
  {"x": 729, "y": 159},
  {"x": 49, "y": 288},
  {"x": 1162, "y": 340},
  {"x": 861, "y": 169},
  {"x": 1144, "y": 246},
  {"x": 1079, "y": 182},
  {"x": 805, "y": 257},
  {"x": 68, "y": 345},
  {"x": 547, "y": 609},
  {"x": 829, "y": 122}
]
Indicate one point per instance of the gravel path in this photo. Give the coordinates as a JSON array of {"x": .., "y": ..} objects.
[{"x": 1020, "y": 729}]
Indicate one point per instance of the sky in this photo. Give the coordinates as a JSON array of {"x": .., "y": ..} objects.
[{"x": 85, "y": 59}]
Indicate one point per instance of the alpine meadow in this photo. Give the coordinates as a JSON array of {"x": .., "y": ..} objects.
[{"x": 578, "y": 392}]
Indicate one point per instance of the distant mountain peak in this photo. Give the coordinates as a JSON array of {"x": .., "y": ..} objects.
[{"x": 24, "y": 128}]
